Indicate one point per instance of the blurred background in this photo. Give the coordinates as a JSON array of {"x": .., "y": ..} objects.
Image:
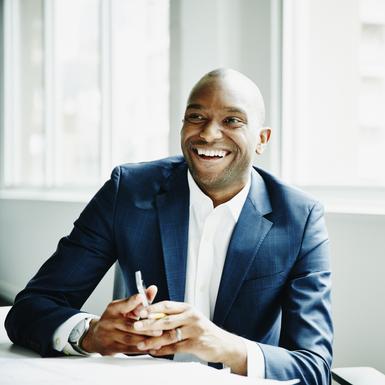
[{"x": 89, "y": 84}]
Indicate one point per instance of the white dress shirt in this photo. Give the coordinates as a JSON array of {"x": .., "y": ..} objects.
[{"x": 209, "y": 235}]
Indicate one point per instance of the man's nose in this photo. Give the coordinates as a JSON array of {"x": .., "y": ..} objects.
[{"x": 211, "y": 131}]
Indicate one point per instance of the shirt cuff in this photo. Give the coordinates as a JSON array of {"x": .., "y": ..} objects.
[
  {"x": 62, "y": 333},
  {"x": 255, "y": 360}
]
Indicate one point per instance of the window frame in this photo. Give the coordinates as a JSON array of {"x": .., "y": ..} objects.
[
  {"x": 9, "y": 114},
  {"x": 50, "y": 191},
  {"x": 353, "y": 199}
]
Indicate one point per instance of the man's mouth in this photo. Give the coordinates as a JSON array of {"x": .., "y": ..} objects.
[{"x": 210, "y": 154}]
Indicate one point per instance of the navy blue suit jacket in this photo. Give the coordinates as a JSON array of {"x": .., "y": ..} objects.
[{"x": 275, "y": 286}]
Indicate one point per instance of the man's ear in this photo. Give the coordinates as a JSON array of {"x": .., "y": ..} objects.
[{"x": 264, "y": 137}]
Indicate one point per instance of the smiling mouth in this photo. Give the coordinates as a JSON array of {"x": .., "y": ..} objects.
[{"x": 210, "y": 154}]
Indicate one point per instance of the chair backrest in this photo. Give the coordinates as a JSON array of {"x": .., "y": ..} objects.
[{"x": 120, "y": 288}]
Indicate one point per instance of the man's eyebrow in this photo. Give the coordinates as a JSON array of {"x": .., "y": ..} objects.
[
  {"x": 236, "y": 109},
  {"x": 194, "y": 106}
]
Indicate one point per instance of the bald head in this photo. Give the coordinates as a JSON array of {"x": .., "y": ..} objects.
[{"x": 229, "y": 78}]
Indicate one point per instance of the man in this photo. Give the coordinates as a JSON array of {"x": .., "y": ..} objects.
[{"x": 239, "y": 261}]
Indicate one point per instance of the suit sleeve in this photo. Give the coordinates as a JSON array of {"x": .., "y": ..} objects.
[
  {"x": 68, "y": 277},
  {"x": 305, "y": 348}
]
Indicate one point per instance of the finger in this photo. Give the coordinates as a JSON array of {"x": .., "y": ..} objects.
[
  {"x": 166, "y": 323},
  {"x": 121, "y": 307},
  {"x": 142, "y": 312},
  {"x": 129, "y": 339},
  {"x": 151, "y": 292},
  {"x": 168, "y": 307},
  {"x": 118, "y": 347},
  {"x": 180, "y": 347},
  {"x": 134, "y": 315},
  {"x": 127, "y": 327},
  {"x": 169, "y": 337}
]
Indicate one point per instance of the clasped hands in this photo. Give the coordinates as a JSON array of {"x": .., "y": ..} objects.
[{"x": 182, "y": 330}]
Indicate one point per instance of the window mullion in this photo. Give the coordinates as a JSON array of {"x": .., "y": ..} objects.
[
  {"x": 105, "y": 88},
  {"x": 11, "y": 128},
  {"x": 49, "y": 94},
  {"x": 287, "y": 85},
  {"x": 276, "y": 85}
]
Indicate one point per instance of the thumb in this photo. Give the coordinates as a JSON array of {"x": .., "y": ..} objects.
[
  {"x": 151, "y": 292},
  {"x": 124, "y": 306}
]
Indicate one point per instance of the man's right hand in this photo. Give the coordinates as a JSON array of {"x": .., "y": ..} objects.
[{"x": 114, "y": 331}]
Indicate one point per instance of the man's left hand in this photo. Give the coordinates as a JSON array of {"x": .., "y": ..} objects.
[{"x": 197, "y": 335}]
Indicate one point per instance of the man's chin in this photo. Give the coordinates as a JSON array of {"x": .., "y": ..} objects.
[{"x": 208, "y": 181}]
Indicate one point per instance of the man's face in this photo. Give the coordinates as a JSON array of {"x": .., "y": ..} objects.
[{"x": 220, "y": 134}]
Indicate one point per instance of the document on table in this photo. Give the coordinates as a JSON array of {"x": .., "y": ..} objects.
[{"x": 116, "y": 370}]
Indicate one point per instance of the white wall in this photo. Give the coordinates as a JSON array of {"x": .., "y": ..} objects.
[
  {"x": 29, "y": 230},
  {"x": 223, "y": 33},
  {"x": 358, "y": 249}
]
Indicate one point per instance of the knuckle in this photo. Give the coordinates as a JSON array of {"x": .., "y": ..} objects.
[
  {"x": 172, "y": 335},
  {"x": 200, "y": 327},
  {"x": 103, "y": 351},
  {"x": 128, "y": 338},
  {"x": 194, "y": 316},
  {"x": 189, "y": 344}
]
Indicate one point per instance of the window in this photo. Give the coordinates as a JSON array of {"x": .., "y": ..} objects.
[
  {"x": 86, "y": 87},
  {"x": 334, "y": 95}
]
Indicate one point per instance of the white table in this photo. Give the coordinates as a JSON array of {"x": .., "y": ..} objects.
[{"x": 19, "y": 366}]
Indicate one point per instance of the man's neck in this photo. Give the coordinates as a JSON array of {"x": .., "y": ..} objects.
[
  {"x": 223, "y": 194},
  {"x": 220, "y": 197}
]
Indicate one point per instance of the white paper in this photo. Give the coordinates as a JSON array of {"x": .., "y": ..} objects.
[{"x": 116, "y": 370}]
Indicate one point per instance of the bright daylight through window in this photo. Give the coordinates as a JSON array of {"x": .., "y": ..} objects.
[
  {"x": 334, "y": 93},
  {"x": 86, "y": 88}
]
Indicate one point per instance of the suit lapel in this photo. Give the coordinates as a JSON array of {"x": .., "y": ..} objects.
[
  {"x": 249, "y": 232},
  {"x": 173, "y": 211}
]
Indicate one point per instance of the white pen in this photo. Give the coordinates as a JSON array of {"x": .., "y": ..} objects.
[
  {"x": 141, "y": 290},
  {"x": 140, "y": 287}
]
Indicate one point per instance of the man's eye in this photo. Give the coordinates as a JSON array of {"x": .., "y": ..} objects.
[
  {"x": 195, "y": 118},
  {"x": 233, "y": 122}
]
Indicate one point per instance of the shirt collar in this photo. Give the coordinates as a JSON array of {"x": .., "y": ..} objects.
[{"x": 204, "y": 205}]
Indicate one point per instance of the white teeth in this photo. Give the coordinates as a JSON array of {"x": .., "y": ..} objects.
[{"x": 219, "y": 153}]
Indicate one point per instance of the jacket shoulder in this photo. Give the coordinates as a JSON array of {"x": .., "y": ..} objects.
[
  {"x": 140, "y": 182},
  {"x": 285, "y": 197}
]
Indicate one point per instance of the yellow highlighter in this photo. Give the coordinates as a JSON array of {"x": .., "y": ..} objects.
[{"x": 141, "y": 290}]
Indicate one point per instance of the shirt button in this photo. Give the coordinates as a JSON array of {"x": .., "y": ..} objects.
[{"x": 57, "y": 342}]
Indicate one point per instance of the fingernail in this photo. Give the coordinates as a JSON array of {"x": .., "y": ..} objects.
[
  {"x": 143, "y": 313},
  {"x": 138, "y": 325},
  {"x": 157, "y": 332},
  {"x": 141, "y": 346}
]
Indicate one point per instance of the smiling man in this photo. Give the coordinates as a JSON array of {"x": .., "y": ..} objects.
[
  {"x": 239, "y": 260},
  {"x": 222, "y": 130}
]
